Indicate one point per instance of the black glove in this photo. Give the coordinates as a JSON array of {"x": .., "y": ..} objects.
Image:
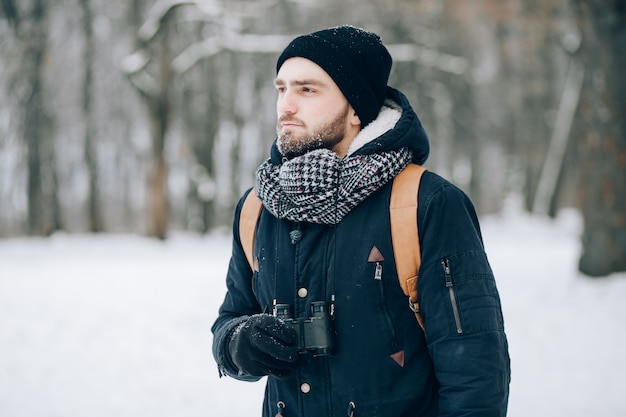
[{"x": 264, "y": 345}]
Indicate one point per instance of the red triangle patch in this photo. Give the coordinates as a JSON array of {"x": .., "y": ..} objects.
[
  {"x": 375, "y": 255},
  {"x": 398, "y": 358}
]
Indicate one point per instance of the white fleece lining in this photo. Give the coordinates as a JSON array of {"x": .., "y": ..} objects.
[{"x": 386, "y": 120}]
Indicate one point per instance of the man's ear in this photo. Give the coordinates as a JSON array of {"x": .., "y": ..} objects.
[{"x": 354, "y": 118}]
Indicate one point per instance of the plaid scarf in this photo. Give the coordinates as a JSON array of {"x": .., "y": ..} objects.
[{"x": 319, "y": 187}]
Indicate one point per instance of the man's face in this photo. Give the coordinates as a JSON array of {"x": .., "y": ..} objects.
[{"x": 312, "y": 112}]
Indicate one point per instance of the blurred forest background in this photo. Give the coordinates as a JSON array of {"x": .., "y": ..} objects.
[{"x": 151, "y": 116}]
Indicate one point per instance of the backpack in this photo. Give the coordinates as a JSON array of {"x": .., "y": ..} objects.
[{"x": 404, "y": 233}]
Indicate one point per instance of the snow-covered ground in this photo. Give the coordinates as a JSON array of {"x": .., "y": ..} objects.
[{"x": 116, "y": 326}]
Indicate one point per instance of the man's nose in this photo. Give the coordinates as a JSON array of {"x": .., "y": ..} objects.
[{"x": 286, "y": 103}]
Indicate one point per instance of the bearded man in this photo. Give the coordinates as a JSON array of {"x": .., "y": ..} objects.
[{"x": 320, "y": 310}]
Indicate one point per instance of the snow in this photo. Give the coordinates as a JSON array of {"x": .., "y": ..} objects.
[{"x": 119, "y": 325}]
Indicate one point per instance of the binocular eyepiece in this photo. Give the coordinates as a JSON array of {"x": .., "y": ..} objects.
[{"x": 314, "y": 333}]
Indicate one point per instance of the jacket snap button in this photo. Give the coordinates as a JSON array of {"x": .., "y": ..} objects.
[
  {"x": 305, "y": 388},
  {"x": 302, "y": 292}
]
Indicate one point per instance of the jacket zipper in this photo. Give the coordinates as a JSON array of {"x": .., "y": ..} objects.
[
  {"x": 378, "y": 276},
  {"x": 450, "y": 286}
]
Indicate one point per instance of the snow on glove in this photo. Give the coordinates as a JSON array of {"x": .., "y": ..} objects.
[{"x": 264, "y": 345}]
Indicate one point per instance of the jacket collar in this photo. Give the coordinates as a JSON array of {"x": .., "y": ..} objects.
[{"x": 386, "y": 120}]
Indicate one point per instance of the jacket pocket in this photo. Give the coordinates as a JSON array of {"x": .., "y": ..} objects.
[
  {"x": 450, "y": 286},
  {"x": 472, "y": 293},
  {"x": 383, "y": 302}
]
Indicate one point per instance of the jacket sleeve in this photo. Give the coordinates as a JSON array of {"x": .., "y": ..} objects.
[
  {"x": 238, "y": 305},
  {"x": 460, "y": 306}
]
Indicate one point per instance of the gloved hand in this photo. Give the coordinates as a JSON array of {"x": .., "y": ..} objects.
[{"x": 264, "y": 345}]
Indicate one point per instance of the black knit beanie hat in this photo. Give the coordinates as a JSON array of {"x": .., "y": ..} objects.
[{"x": 354, "y": 58}]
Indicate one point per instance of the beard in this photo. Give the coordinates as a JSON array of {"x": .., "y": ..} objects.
[{"x": 326, "y": 136}]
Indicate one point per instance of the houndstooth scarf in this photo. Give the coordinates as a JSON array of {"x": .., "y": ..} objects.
[{"x": 319, "y": 187}]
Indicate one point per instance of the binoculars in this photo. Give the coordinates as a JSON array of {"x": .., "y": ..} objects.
[{"x": 314, "y": 333}]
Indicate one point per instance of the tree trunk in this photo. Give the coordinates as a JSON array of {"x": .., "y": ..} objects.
[
  {"x": 158, "y": 199},
  {"x": 94, "y": 215},
  {"x": 43, "y": 205},
  {"x": 155, "y": 94},
  {"x": 159, "y": 117},
  {"x": 603, "y": 142}
]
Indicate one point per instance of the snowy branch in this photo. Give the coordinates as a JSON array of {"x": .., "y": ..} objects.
[
  {"x": 145, "y": 83},
  {"x": 211, "y": 9},
  {"x": 233, "y": 42},
  {"x": 134, "y": 65},
  {"x": 135, "y": 62},
  {"x": 158, "y": 13},
  {"x": 428, "y": 57}
]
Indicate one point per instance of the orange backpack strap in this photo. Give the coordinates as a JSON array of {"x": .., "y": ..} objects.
[
  {"x": 250, "y": 213},
  {"x": 404, "y": 234}
]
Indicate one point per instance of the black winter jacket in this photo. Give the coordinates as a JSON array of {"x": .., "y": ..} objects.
[{"x": 383, "y": 363}]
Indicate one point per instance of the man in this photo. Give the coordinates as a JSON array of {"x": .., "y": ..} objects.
[{"x": 321, "y": 312}]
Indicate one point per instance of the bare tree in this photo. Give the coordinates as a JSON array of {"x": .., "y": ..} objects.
[
  {"x": 36, "y": 124},
  {"x": 93, "y": 202},
  {"x": 154, "y": 55},
  {"x": 602, "y": 137},
  {"x": 154, "y": 90}
]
